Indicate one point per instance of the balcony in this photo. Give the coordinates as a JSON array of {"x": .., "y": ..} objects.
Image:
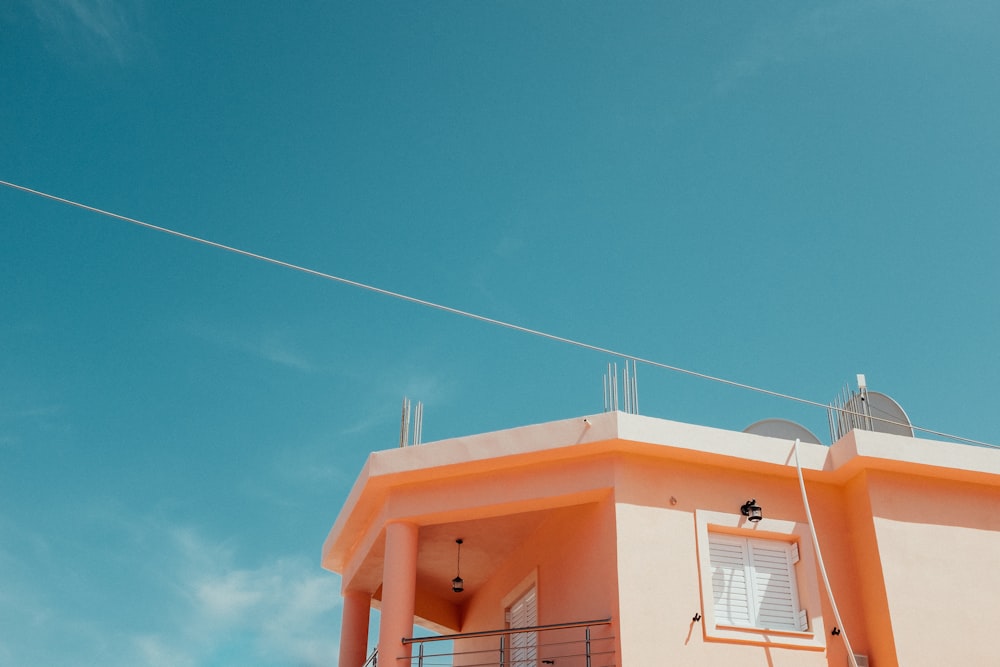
[{"x": 573, "y": 644}]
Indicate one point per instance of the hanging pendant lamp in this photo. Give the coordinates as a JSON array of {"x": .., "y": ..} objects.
[{"x": 457, "y": 585}]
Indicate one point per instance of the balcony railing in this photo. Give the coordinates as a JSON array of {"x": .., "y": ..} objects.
[{"x": 574, "y": 644}]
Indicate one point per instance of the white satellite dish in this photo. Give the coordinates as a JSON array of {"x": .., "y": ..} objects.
[
  {"x": 881, "y": 407},
  {"x": 782, "y": 428}
]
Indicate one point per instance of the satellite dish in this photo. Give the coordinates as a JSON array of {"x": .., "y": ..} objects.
[
  {"x": 881, "y": 407},
  {"x": 782, "y": 428}
]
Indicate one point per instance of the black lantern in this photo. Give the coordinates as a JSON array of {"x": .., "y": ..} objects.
[
  {"x": 752, "y": 510},
  {"x": 457, "y": 585}
]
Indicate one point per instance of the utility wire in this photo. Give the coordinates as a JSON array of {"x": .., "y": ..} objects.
[{"x": 480, "y": 318}]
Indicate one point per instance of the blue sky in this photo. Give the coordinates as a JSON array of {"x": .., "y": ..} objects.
[{"x": 783, "y": 194}]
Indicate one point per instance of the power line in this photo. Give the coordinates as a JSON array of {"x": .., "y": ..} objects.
[{"x": 474, "y": 316}]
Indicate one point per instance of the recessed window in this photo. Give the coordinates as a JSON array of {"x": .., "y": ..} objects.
[
  {"x": 758, "y": 582},
  {"x": 523, "y": 614},
  {"x": 754, "y": 583},
  {"x": 521, "y": 611}
]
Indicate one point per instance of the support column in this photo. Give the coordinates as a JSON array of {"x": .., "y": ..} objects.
[
  {"x": 354, "y": 629},
  {"x": 399, "y": 587}
]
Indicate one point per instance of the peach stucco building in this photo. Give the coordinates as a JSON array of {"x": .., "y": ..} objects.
[{"x": 625, "y": 533}]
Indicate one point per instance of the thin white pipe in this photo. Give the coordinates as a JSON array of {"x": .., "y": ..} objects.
[
  {"x": 819, "y": 560},
  {"x": 635, "y": 388}
]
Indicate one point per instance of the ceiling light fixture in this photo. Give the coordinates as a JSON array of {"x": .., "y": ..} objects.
[{"x": 457, "y": 585}]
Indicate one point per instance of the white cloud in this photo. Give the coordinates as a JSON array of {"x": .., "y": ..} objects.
[
  {"x": 96, "y": 26},
  {"x": 154, "y": 653},
  {"x": 282, "y": 354},
  {"x": 774, "y": 43},
  {"x": 31, "y": 424},
  {"x": 228, "y": 596},
  {"x": 272, "y": 347},
  {"x": 206, "y": 601},
  {"x": 286, "y": 604}
]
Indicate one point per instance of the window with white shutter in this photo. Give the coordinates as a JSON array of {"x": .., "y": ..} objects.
[
  {"x": 758, "y": 581},
  {"x": 753, "y": 583},
  {"x": 523, "y": 613}
]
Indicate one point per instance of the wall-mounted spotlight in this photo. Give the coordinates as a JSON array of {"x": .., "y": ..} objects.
[
  {"x": 457, "y": 585},
  {"x": 752, "y": 510}
]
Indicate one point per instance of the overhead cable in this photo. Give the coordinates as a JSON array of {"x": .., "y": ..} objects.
[{"x": 474, "y": 316}]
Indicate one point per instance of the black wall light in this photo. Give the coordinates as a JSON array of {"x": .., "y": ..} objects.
[
  {"x": 752, "y": 510},
  {"x": 457, "y": 585}
]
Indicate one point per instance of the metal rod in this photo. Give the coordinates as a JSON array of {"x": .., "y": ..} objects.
[
  {"x": 418, "y": 424},
  {"x": 635, "y": 387},
  {"x": 404, "y": 423},
  {"x": 627, "y": 378},
  {"x": 615, "y": 384},
  {"x": 606, "y": 376},
  {"x": 588, "y": 645},
  {"x": 507, "y": 631},
  {"x": 625, "y": 387},
  {"x": 829, "y": 421}
]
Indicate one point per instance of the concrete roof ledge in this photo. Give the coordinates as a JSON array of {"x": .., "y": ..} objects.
[
  {"x": 629, "y": 434},
  {"x": 896, "y": 452}
]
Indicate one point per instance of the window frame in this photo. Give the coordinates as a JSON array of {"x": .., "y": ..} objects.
[
  {"x": 745, "y": 562},
  {"x": 735, "y": 527},
  {"x": 527, "y": 650}
]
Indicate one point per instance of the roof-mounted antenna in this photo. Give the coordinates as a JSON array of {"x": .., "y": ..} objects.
[
  {"x": 866, "y": 410},
  {"x": 629, "y": 388},
  {"x": 404, "y": 424},
  {"x": 418, "y": 423},
  {"x": 611, "y": 388}
]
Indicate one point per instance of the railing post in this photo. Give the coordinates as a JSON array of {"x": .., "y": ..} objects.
[
  {"x": 588, "y": 645},
  {"x": 420, "y": 656},
  {"x": 502, "y": 637}
]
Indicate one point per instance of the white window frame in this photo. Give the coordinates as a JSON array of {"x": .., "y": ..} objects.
[
  {"x": 524, "y": 645},
  {"x": 754, "y": 584},
  {"x": 799, "y": 620},
  {"x": 521, "y": 607}
]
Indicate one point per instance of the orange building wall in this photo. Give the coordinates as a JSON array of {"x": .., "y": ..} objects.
[
  {"x": 870, "y": 627},
  {"x": 572, "y": 559},
  {"x": 617, "y": 527},
  {"x": 940, "y": 548},
  {"x": 659, "y": 580}
]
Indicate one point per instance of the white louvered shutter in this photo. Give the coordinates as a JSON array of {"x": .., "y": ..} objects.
[
  {"x": 524, "y": 614},
  {"x": 775, "y": 593},
  {"x": 730, "y": 588},
  {"x": 753, "y": 583}
]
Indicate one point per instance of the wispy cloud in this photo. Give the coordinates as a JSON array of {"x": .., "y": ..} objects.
[
  {"x": 98, "y": 27},
  {"x": 388, "y": 385},
  {"x": 283, "y": 604},
  {"x": 154, "y": 652},
  {"x": 279, "y": 352},
  {"x": 28, "y": 424},
  {"x": 208, "y": 601},
  {"x": 273, "y": 347},
  {"x": 775, "y": 43}
]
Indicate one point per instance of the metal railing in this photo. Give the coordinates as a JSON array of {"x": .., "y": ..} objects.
[
  {"x": 372, "y": 660},
  {"x": 522, "y": 647}
]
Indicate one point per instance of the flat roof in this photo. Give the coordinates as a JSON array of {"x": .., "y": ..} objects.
[{"x": 646, "y": 436}]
